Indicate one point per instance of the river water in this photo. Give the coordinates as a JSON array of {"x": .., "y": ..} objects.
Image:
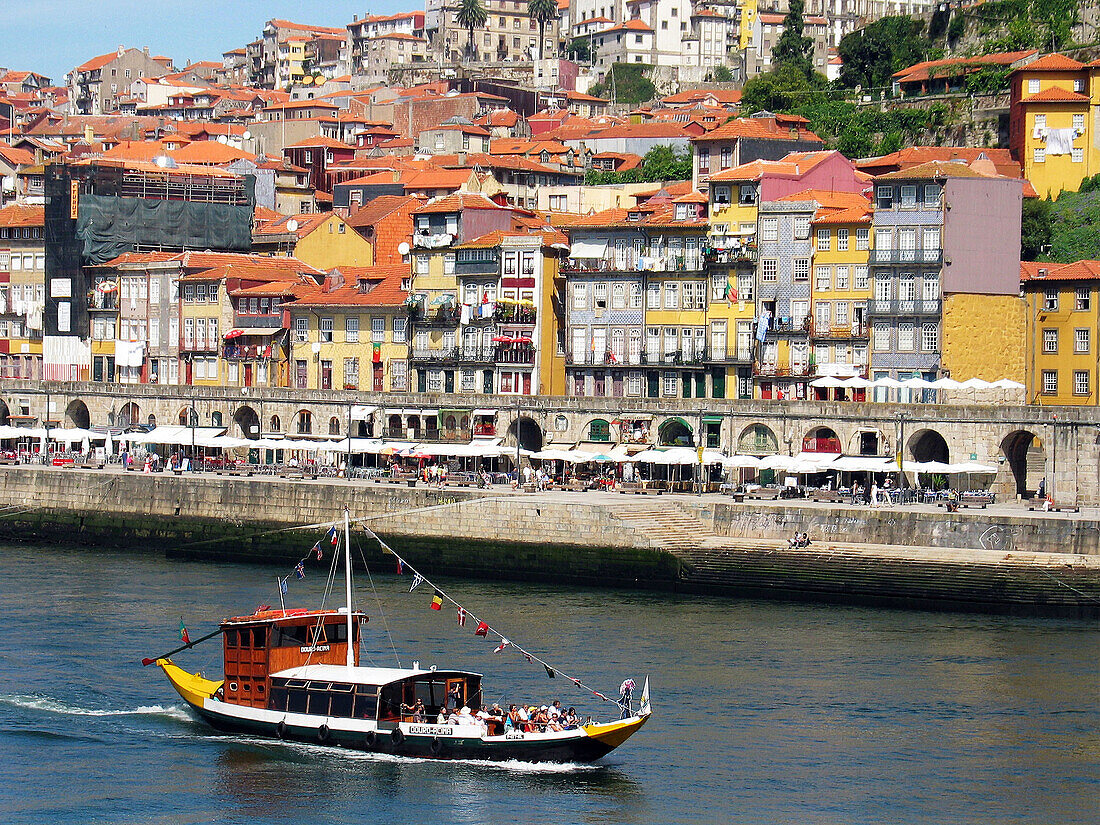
[{"x": 764, "y": 712}]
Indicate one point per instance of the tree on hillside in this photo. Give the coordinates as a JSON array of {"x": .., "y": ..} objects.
[
  {"x": 783, "y": 89},
  {"x": 542, "y": 12},
  {"x": 665, "y": 163},
  {"x": 793, "y": 48},
  {"x": 873, "y": 54},
  {"x": 471, "y": 15},
  {"x": 628, "y": 82},
  {"x": 1035, "y": 227}
]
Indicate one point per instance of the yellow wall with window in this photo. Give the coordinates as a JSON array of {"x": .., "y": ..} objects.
[
  {"x": 334, "y": 244},
  {"x": 1060, "y": 354},
  {"x": 1050, "y": 173}
]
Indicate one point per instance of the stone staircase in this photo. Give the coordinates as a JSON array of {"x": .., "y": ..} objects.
[{"x": 669, "y": 526}]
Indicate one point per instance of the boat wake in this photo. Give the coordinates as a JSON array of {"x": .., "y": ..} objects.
[{"x": 51, "y": 705}]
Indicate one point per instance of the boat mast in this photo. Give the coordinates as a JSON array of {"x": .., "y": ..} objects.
[{"x": 347, "y": 584}]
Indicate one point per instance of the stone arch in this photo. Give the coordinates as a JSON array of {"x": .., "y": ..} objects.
[
  {"x": 393, "y": 426},
  {"x": 77, "y": 414},
  {"x": 530, "y": 433},
  {"x": 334, "y": 426},
  {"x": 413, "y": 423},
  {"x": 248, "y": 423},
  {"x": 821, "y": 440},
  {"x": 216, "y": 419},
  {"x": 757, "y": 439},
  {"x": 4, "y": 412},
  {"x": 152, "y": 421},
  {"x": 303, "y": 421},
  {"x": 276, "y": 424},
  {"x": 675, "y": 432},
  {"x": 129, "y": 415},
  {"x": 1026, "y": 459},
  {"x": 868, "y": 441},
  {"x": 927, "y": 445},
  {"x": 188, "y": 417}
]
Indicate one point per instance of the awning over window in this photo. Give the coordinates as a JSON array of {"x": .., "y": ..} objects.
[
  {"x": 712, "y": 419},
  {"x": 486, "y": 413},
  {"x": 263, "y": 332},
  {"x": 360, "y": 412}
]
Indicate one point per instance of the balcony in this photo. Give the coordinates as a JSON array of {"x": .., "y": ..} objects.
[
  {"x": 424, "y": 240},
  {"x": 905, "y": 256},
  {"x": 475, "y": 355},
  {"x": 694, "y": 358},
  {"x": 780, "y": 370},
  {"x": 510, "y": 313},
  {"x": 929, "y": 307},
  {"x": 514, "y": 354},
  {"x": 442, "y": 316},
  {"x": 234, "y": 352},
  {"x": 265, "y": 321},
  {"x": 102, "y": 302},
  {"x": 630, "y": 260},
  {"x": 838, "y": 332},
  {"x": 730, "y": 257},
  {"x": 435, "y": 356},
  {"x": 486, "y": 263}
]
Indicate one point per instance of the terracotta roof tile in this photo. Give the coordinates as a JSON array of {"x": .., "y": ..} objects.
[
  {"x": 1055, "y": 94},
  {"x": 457, "y": 202},
  {"x": 1052, "y": 63},
  {"x": 1076, "y": 271},
  {"x": 378, "y": 208},
  {"x": 384, "y": 288},
  {"x": 22, "y": 214},
  {"x": 935, "y": 169}
]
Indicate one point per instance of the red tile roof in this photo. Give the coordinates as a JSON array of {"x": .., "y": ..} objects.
[
  {"x": 1076, "y": 271},
  {"x": 630, "y": 26},
  {"x": 936, "y": 169},
  {"x": 305, "y": 224},
  {"x": 96, "y": 62},
  {"x": 1054, "y": 94},
  {"x": 435, "y": 179},
  {"x": 727, "y": 96},
  {"x": 495, "y": 238},
  {"x": 456, "y": 202},
  {"x": 319, "y": 140},
  {"x": 781, "y": 127},
  {"x": 22, "y": 214},
  {"x": 914, "y": 155},
  {"x": 378, "y": 208},
  {"x": 954, "y": 66},
  {"x": 209, "y": 152},
  {"x": 1052, "y": 63},
  {"x": 383, "y": 288}
]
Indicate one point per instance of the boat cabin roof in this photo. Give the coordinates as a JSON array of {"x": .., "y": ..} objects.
[
  {"x": 365, "y": 675},
  {"x": 291, "y": 616}
]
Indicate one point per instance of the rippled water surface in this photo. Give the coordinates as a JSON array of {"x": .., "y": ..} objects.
[{"x": 764, "y": 713}]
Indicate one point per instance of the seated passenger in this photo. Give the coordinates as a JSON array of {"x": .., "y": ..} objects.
[
  {"x": 442, "y": 718},
  {"x": 418, "y": 712},
  {"x": 571, "y": 720},
  {"x": 465, "y": 717}
]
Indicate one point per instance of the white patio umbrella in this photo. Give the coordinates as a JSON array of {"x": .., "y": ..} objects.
[
  {"x": 976, "y": 384},
  {"x": 971, "y": 467},
  {"x": 1008, "y": 384},
  {"x": 109, "y": 444},
  {"x": 828, "y": 382},
  {"x": 858, "y": 382},
  {"x": 733, "y": 461},
  {"x": 776, "y": 462},
  {"x": 917, "y": 383},
  {"x": 946, "y": 384},
  {"x": 649, "y": 456},
  {"x": 887, "y": 382}
]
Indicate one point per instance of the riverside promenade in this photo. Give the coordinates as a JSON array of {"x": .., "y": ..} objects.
[{"x": 1003, "y": 558}]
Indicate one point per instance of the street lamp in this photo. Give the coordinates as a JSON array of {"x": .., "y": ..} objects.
[{"x": 901, "y": 448}]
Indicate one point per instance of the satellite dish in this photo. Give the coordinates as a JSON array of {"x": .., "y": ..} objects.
[
  {"x": 247, "y": 135},
  {"x": 165, "y": 162},
  {"x": 292, "y": 225},
  {"x": 403, "y": 248},
  {"x": 222, "y": 139}
]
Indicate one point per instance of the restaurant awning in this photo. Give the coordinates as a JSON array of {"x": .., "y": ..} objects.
[
  {"x": 486, "y": 413},
  {"x": 260, "y": 331},
  {"x": 361, "y": 412},
  {"x": 173, "y": 435}
]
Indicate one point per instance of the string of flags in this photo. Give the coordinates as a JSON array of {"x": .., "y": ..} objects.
[
  {"x": 332, "y": 538},
  {"x": 483, "y": 628}
]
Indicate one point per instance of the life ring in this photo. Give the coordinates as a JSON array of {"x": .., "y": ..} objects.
[
  {"x": 436, "y": 746},
  {"x": 280, "y": 729},
  {"x": 397, "y": 736},
  {"x": 371, "y": 739},
  {"x": 323, "y": 734},
  {"x": 233, "y": 687}
]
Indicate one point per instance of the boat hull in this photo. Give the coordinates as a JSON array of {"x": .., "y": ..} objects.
[{"x": 425, "y": 741}]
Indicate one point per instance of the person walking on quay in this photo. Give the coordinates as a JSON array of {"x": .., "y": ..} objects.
[{"x": 874, "y": 493}]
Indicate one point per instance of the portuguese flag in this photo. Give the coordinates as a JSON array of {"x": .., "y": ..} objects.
[{"x": 183, "y": 633}]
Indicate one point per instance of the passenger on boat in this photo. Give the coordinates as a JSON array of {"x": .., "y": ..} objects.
[
  {"x": 442, "y": 718},
  {"x": 571, "y": 720},
  {"x": 513, "y": 719},
  {"x": 465, "y": 717},
  {"x": 555, "y": 710},
  {"x": 454, "y": 697},
  {"x": 494, "y": 720}
]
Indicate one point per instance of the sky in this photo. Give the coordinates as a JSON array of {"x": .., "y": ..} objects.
[{"x": 52, "y": 36}]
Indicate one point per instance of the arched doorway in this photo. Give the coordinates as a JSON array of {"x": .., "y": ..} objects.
[
  {"x": 77, "y": 414},
  {"x": 757, "y": 439},
  {"x": 927, "y": 445},
  {"x": 821, "y": 440},
  {"x": 868, "y": 442},
  {"x": 675, "y": 432},
  {"x": 248, "y": 423},
  {"x": 1026, "y": 457},
  {"x": 129, "y": 415},
  {"x": 189, "y": 417},
  {"x": 530, "y": 434},
  {"x": 3, "y": 412}
]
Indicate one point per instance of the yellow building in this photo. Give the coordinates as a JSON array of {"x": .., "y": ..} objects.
[
  {"x": 840, "y": 288},
  {"x": 321, "y": 240},
  {"x": 1062, "y": 321},
  {"x": 747, "y": 17},
  {"x": 205, "y": 315},
  {"x": 22, "y": 290},
  {"x": 1052, "y": 122},
  {"x": 351, "y": 333}
]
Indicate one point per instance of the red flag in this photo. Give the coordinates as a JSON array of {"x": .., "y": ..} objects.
[
  {"x": 183, "y": 633},
  {"x": 437, "y": 601},
  {"x": 462, "y": 617},
  {"x": 503, "y": 644},
  {"x": 482, "y": 629}
]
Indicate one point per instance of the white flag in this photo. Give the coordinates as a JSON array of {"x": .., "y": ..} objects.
[
  {"x": 643, "y": 707},
  {"x": 417, "y": 579}
]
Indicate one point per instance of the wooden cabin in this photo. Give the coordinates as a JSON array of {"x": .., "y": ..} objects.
[{"x": 275, "y": 640}]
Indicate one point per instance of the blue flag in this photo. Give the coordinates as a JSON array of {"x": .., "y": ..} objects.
[
  {"x": 300, "y": 571},
  {"x": 282, "y": 586},
  {"x": 332, "y": 535},
  {"x": 317, "y": 550}
]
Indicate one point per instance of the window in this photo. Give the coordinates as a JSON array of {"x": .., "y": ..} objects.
[
  {"x": 881, "y": 337},
  {"x": 884, "y": 239},
  {"x": 909, "y": 197},
  {"x": 1050, "y": 341},
  {"x": 823, "y": 239},
  {"x": 399, "y": 379},
  {"x": 351, "y": 329},
  {"x": 580, "y": 296},
  {"x": 1033, "y": 86},
  {"x": 822, "y": 315},
  {"x": 721, "y": 195},
  {"x": 1050, "y": 300},
  {"x": 842, "y": 313},
  {"x": 599, "y": 295},
  {"x": 1077, "y": 155},
  {"x": 1079, "y": 122},
  {"x": 653, "y": 295},
  {"x": 1083, "y": 301},
  {"x": 377, "y": 330},
  {"x": 672, "y": 295},
  {"x": 931, "y": 196},
  {"x": 769, "y": 270},
  {"x": 727, "y": 157},
  {"x": 1040, "y": 154},
  {"x": 906, "y": 337},
  {"x": 744, "y": 286},
  {"x": 801, "y": 227},
  {"x": 326, "y": 330},
  {"x": 747, "y": 195},
  {"x": 800, "y": 270},
  {"x": 1081, "y": 341},
  {"x": 842, "y": 277},
  {"x": 399, "y": 327},
  {"x": 326, "y": 375},
  {"x": 841, "y": 240},
  {"x": 351, "y": 373},
  {"x": 1050, "y": 382},
  {"x": 907, "y": 287},
  {"x": 618, "y": 296},
  {"x": 305, "y": 422},
  {"x": 930, "y": 338},
  {"x": 769, "y": 229},
  {"x": 884, "y": 197},
  {"x": 822, "y": 279},
  {"x": 863, "y": 238},
  {"x": 669, "y": 384},
  {"x": 421, "y": 265},
  {"x": 1081, "y": 382}
]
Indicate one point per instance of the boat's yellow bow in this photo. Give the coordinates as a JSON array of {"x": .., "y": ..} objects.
[
  {"x": 191, "y": 686},
  {"x": 614, "y": 734}
]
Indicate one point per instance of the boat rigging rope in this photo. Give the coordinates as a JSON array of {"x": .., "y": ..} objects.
[
  {"x": 504, "y": 641},
  {"x": 378, "y": 601}
]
